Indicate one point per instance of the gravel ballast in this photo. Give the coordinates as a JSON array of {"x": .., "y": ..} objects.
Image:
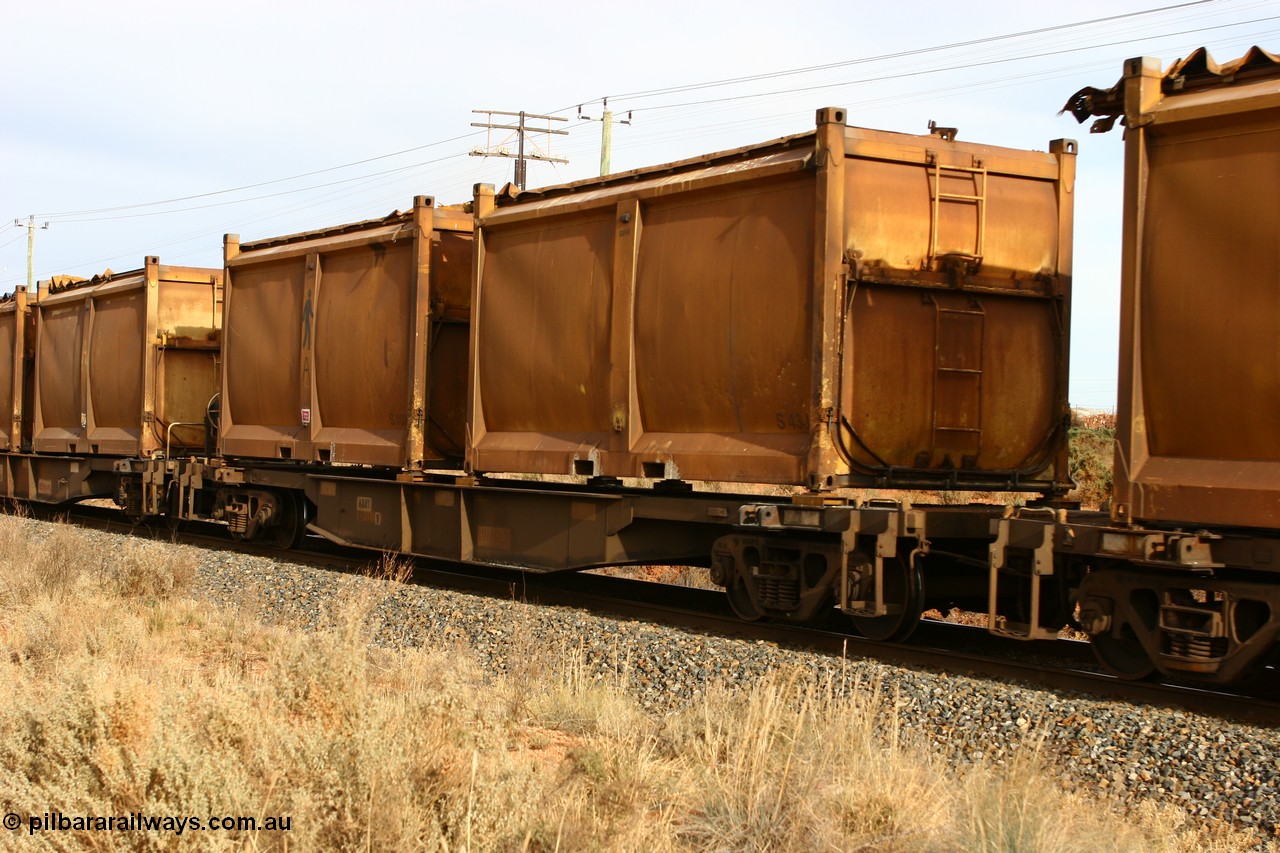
[{"x": 1211, "y": 768}]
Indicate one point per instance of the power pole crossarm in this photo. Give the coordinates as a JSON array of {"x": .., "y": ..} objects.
[{"x": 522, "y": 130}]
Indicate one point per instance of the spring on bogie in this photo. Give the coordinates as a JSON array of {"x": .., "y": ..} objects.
[
  {"x": 238, "y": 523},
  {"x": 779, "y": 593},
  {"x": 1187, "y": 646}
]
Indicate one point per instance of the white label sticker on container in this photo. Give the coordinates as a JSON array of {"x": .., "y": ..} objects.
[{"x": 306, "y": 417}]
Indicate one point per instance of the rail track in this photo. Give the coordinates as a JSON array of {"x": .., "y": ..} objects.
[{"x": 1062, "y": 665}]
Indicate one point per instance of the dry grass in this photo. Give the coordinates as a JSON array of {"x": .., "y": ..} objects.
[
  {"x": 1090, "y": 453},
  {"x": 123, "y": 695}
]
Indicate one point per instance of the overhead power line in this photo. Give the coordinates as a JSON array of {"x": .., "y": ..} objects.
[
  {"x": 72, "y": 215},
  {"x": 266, "y": 196},
  {"x": 94, "y": 211},
  {"x": 896, "y": 75},
  {"x": 711, "y": 84}
]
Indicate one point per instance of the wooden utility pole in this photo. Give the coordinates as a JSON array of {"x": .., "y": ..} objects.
[
  {"x": 31, "y": 245},
  {"x": 521, "y": 130},
  {"x": 606, "y": 133}
]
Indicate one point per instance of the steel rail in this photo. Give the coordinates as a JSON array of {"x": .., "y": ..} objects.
[{"x": 1064, "y": 666}]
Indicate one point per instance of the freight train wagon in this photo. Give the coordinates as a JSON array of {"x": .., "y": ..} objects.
[
  {"x": 1187, "y": 579},
  {"x": 841, "y": 307},
  {"x": 347, "y": 347},
  {"x": 92, "y": 371},
  {"x": 845, "y": 307}
]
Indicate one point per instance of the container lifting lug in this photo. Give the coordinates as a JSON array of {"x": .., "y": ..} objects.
[{"x": 946, "y": 134}]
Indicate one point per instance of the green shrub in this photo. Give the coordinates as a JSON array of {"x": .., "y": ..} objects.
[{"x": 1089, "y": 458}]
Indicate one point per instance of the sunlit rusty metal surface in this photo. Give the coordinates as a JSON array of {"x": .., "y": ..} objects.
[
  {"x": 1184, "y": 77},
  {"x": 1199, "y": 395},
  {"x": 349, "y": 344},
  {"x": 122, "y": 357},
  {"x": 844, "y": 307},
  {"x": 17, "y": 348}
]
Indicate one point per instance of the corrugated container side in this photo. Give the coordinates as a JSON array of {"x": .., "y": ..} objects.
[
  {"x": 1199, "y": 405},
  {"x": 849, "y": 307},
  {"x": 348, "y": 345},
  {"x": 126, "y": 363}
]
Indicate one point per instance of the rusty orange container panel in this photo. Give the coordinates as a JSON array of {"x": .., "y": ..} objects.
[
  {"x": 842, "y": 307},
  {"x": 126, "y": 363},
  {"x": 349, "y": 344},
  {"x": 17, "y": 357},
  {"x": 1198, "y": 414}
]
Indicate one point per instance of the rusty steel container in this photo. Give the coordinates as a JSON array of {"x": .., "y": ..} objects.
[
  {"x": 17, "y": 356},
  {"x": 349, "y": 344},
  {"x": 842, "y": 307},
  {"x": 126, "y": 363},
  {"x": 1198, "y": 414}
]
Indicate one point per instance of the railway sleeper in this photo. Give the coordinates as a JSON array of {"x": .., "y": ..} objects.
[{"x": 1212, "y": 629}]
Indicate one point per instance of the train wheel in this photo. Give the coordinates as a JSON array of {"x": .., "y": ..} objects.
[
  {"x": 1123, "y": 656},
  {"x": 741, "y": 602},
  {"x": 904, "y": 593},
  {"x": 292, "y": 527}
]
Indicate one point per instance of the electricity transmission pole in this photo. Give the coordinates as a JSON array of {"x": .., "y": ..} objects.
[
  {"x": 31, "y": 244},
  {"x": 606, "y": 133},
  {"x": 521, "y": 130}
]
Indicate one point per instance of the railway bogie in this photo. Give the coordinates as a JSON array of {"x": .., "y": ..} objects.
[
  {"x": 1196, "y": 604},
  {"x": 1208, "y": 627},
  {"x": 255, "y": 503}
]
